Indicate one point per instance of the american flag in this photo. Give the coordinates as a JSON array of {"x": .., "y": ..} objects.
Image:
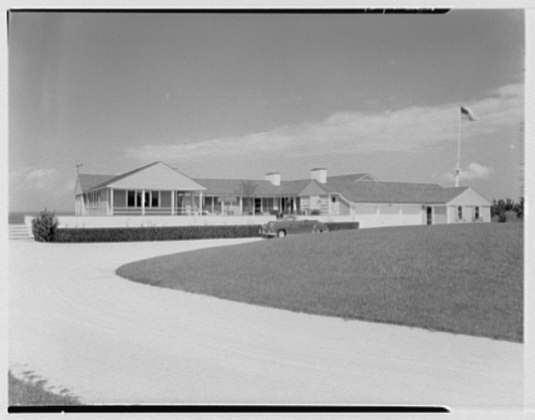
[{"x": 468, "y": 114}]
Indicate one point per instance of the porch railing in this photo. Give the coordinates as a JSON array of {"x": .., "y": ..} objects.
[{"x": 158, "y": 211}]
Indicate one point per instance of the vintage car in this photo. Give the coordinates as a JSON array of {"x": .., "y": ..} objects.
[{"x": 292, "y": 224}]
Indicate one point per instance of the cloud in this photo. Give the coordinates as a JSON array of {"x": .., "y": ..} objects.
[
  {"x": 36, "y": 188},
  {"x": 350, "y": 132},
  {"x": 474, "y": 171},
  {"x": 40, "y": 178}
]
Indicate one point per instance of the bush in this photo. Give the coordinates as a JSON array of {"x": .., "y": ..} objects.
[
  {"x": 315, "y": 212},
  {"x": 502, "y": 210},
  {"x": 45, "y": 226},
  {"x": 164, "y": 233}
]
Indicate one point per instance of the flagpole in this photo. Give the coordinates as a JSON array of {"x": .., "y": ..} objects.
[{"x": 458, "y": 170}]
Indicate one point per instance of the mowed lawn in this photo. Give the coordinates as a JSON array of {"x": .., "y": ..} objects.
[{"x": 466, "y": 279}]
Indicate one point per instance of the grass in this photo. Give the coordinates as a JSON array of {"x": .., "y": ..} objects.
[
  {"x": 465, "y": 279},
  {"x": 28, "y": 393}
]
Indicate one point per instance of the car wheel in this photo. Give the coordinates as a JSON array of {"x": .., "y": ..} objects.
[{"x": 281, "y": 233}]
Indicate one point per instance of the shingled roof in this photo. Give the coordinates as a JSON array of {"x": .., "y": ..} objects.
[
  {"x": 116, "y": 178},
  {"x": 444, "y": 195},
  {"x": 384, "y": 192},
  {"x": 357, "y": 188},
  {"x": 233, "y": 187},
  {"x": 89, "y": 181}
]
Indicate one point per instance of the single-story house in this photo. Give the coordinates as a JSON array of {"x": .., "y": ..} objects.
[{"x": 158, "y": 189}]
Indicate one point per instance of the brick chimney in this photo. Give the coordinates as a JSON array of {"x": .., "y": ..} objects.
[
  {"x": 319, "y": 174},
  {"x": 274, "y": 178}
]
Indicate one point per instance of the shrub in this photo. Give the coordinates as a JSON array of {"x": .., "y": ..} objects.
[
  {"x": 164, "y": 233},
  {"x": 45, "y": 226},
  {"x": 315, "y": 212}
]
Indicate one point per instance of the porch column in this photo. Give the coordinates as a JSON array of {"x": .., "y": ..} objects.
[
  {"x": 173, "y": 202},
  {"x": 294, "y": 204},
  {"x": 200, "y": 203},
  {"x": 241, "y": 204},
  {"x": 143, "y": 202},
  {"x": 111, "y": 201}
]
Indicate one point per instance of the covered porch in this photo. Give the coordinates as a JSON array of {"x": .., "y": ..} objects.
[{"x": 126, "y": 202}]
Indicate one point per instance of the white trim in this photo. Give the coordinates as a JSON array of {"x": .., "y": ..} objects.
[{"x": 143, "y": 202}]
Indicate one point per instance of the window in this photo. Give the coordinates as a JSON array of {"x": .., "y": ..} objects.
[
  {"x": 459, "y": 213},
  {"x": 333, "y": 199},
  {"x": 131, "y": 199},
  {"x": 477, "y": 213},
  {"x": 155, "y": 199},
  {"x": 150, "y": 200}
]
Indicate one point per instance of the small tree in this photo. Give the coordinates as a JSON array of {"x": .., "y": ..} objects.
[{"x": 44, "y": 227}]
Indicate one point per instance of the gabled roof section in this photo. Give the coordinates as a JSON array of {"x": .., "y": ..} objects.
[
  {"x": 89, "y": 181},
  {"x": 155, "y": 176},
  {"x": 314, "y": 188},
  {"x": 122, "y": 176},
  {"x": 464, "y": 196}
]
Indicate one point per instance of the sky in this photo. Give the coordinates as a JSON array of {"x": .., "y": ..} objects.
[{"x": 240, "y": 95}]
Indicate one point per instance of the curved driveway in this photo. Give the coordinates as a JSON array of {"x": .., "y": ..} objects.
[{"x": 113, "y": 341}]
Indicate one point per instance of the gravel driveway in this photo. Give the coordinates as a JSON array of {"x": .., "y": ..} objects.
[{"x": 113, "y": 341}]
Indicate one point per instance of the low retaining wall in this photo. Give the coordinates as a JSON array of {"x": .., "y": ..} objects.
[
  {"x": 66, "y": 222},
  {"x": 69, "y": 222}
]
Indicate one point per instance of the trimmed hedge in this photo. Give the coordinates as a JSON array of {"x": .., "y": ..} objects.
[
  {"x": 164, "y": 233},
  {"x": 170, "y": 233},
  {"x": 342, "y": 225}
]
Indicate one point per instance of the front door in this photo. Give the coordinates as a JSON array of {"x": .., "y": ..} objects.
[{"x": 429, "y": 218}]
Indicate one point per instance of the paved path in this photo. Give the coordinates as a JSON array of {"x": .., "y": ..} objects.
[{"x": 112, "y": 341}]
